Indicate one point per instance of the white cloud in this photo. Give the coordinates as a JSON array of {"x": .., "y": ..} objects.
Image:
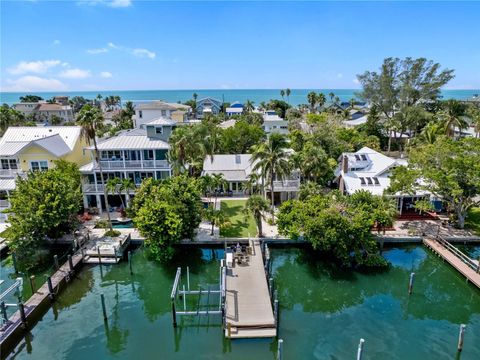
[
  {"x": 144, "y": 53},
  {"x": 34, "y": 83},
  {"x": 113, "y": 46},
  {"x": 111, "y": 3},
  {"x": 75, "y": 74},
  {"x": 355, "y": 81},
  {"x": 36, "y": 67},
  {"x": 106, "y": 74},
  {"x": 97, "y": 51},
  {"x": 56, "y": 42}
]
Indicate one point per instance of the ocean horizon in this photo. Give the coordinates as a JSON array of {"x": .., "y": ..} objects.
[{"x": 297, "y": 96}]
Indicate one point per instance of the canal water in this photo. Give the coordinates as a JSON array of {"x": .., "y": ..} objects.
[{"x": 324, "y": 312}]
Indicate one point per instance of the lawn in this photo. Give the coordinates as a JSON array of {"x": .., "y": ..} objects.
[
  {"x": 473, "y": 220},
  {"x": 240, "y": 226}
]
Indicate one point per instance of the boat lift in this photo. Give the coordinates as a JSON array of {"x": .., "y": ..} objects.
[
  {"x": 181, "y": 293},
  {"x": 16, "y": 287}
]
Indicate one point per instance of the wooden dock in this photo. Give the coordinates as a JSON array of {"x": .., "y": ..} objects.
[
  {"x": 248, "y": 307},
  {"x": 466, "y": 266}
]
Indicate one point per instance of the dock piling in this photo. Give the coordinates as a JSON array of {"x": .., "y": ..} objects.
[
  {"x": 410, "y": 283},
  {"x": 55, "y": 262},
  {"x": 23, "y": 317},
  {"x": 115, "y": 253},
  {"x": 275, "y": 313},
  {"x": 188, "y": 278},
  {"x": 270, "y": 286},
  {"x": 461, "y": 334},
  {"x": 280, "y": 350},
  {"x": 104, "y": 309},
  {"x": 3, "y": 309},
  {"x": 32, "y": 284},
  {"x": 99, "y": 256},
  {"x": 130, "y": 261},
  {"x": 360, "y": 349},
  {"x": 174, "y": 314},
  {"x": 50, "y": 287},
  {"x": 70, "y": 263}
]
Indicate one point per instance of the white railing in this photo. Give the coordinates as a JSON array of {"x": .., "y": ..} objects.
[
  {"x": 99, "y": 188},
  {"x": 278, "y": 185},
  {"x": 133, "y": 164},
  {"x": 4, "y": 204},
  {"x": 9, "y": 172}
]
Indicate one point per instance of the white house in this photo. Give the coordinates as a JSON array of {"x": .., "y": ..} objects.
[
  {"x": 236, "y": 170},
  {"x": 370, "y": 170},
  {"x": 235, "y": 108},
  {"x": 147, "y": 112},
  {"x": 272, "y": 123}
]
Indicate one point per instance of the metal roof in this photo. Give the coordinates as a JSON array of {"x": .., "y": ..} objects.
[
  {"x": 69, "y": 134},
  {"x": 233, "y": 167},
  {"x": 7, "y": 184},
  {"x": 161, "y": 105},
  {"x": 12, "y": 148},
  {"x": 161, "y": 121},
  {"x": 136, "y": 139}
]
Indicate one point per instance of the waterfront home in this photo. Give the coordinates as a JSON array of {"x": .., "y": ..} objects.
[
  {"x": 136, "y": 154},
  {"x": 147, "y": 112},
  {"x": 370, "y": 170},
  {"x": 272, "y": 123},
  {"x": 208, "y": 105},
  {"x": 235, "y": 108},
  {"x": 237, "y": 168},
  {"x": 23, "y": 149},
  {"x": 44, "y": 112},
  {"x": 355, "y": 122}
]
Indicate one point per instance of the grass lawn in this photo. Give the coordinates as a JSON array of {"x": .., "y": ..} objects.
[
  {"x": 473, "y": 220},
  {"x": 240, "y": 226}
]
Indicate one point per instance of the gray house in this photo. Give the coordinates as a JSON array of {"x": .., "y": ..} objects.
[{"x": 208, "y": 105}]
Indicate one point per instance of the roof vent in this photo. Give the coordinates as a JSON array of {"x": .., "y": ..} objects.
[{"x": 238, "y": 159}]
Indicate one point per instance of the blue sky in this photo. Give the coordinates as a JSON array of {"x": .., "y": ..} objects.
[{"x": 122, "y": 44}]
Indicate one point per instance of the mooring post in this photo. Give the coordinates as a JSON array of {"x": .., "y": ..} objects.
[
  {"x": 102, "y": 297},
  {"x": 280, "y": 349},
  {"x": 99, "y": 256},
  {"x": 360, "y": 349},
  {"x": 70, "y": 262},
  {"x": 275, "y": 308},
  {"x": 461, "y": 334},
  {"x": 410, "y": 283},
  {"x": 50, "y": 287},
  {"x": 32, "y": 283},
  {"x": 184, "y": 300},
  {"x": 174, "y": 313},
  {"x": 229, "y": 330},
  {"x": 188, "y": 278},
  {"x": 55, "y": 261},
  {"x": 14, "y": 259},
  {"x": 3, "y": 309},
  {"x": 115, "y": 253},
  {"x": 23, "y": 317},
  {"x": 130, "y": 261},
  {"x": 270, "y": 286}
]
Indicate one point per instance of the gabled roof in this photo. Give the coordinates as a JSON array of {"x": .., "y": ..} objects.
[
  {"x": 161, "y": 105},
  {"x": 233, "y": 167},
  {"x": 161, "y": 121},
  {"x": 135, "y": 139}
]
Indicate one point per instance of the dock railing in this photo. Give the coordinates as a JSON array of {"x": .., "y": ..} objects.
[{"x": 459, "y": 254}]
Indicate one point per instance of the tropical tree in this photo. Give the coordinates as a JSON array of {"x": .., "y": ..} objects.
[
  {"x": 282, "y": 93},
  {"x": 10, "y": 117},
  {"x": 216, "y": 217},
  {"x": 218, "y": 182},
  {"x": 249, "y": 106},
  {"x": 312, "y": 100},
  {"x": 315, "y": 164},
  {"x": 91, "y": 121},
  {"x": 431, "y": 132},
  {"x": 113, "y": 187},
  {"x": 474, "y": 114},
  {"x": 55, "y": 120},
  {"x": 331, "y": 95},
  {"x": 257, "y": 206},
  {"x": 30, "y": 98},
  {"x": 253, "y": 184},
  {"x": 453, "y": 116},
  {"x": 271, "y": 158},
  {"x": 321, "y": 99},
  {"x": 288, "y": 92},
  {"x": 127, "y": 184}
]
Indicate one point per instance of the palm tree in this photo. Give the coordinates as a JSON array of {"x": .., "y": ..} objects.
[
  {"x": 430, "y": 132},
  {"x": 331, "y": 95},
  {"x": 249, "y": 107},
  {"x": 216, "y": 217},
  {"x": 218, "y": 182},
  {"x": 312, "y": 100},
  {"x": 288, "y": 92},
  {"x": 91, "y": 120},
  {"x": 271, "y": 158},
  {"x": 256, "y": 206},
  {"x": 282, "y": 93},
  {"x": 321, "y": 99},
  {"x": 127, "y": 184},
  {"x": 253, "y": 183},
  {"x": 452, "y": 117},
  {"x": 113, "y": 187},
  {"x": 385, "y": 212},
  {"x": 352, "y": 103},
  {"x": 474, "y": 114}
]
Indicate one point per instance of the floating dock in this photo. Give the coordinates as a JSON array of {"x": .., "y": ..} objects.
[
  {"x": 462, "y": 263},
  {"x": 248, "y": 306}
]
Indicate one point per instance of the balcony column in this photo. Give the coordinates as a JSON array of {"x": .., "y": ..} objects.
[
  {"x": 141, "y": 158},
  {"x": 85, "y": 202},
  {"x": 123, "y": 158},
  {"x": 95, "y": 179},
  {"x": 99, "y": 204}
]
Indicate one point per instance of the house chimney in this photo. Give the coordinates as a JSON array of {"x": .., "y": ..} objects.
[{"x": 345, "y": 164}]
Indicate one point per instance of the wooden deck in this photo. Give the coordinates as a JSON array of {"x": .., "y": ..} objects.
[
  {"x": 465, "y": 265},
  {"x": 248, "y": 308}
]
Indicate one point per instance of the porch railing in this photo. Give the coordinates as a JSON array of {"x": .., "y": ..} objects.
[
  {"x": 134, "y": 164},
  {"x": 7, "y": 173}
]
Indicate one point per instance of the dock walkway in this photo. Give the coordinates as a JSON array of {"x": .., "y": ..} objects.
[
  {"x": 461, "y": 262},
  {"x": 248, "y": 308}
]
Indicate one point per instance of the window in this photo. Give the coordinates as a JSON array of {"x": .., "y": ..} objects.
[
  {"x": 13, "y": 164},
  {"x": 5, "y": 164},
  {"x": 238, "y": 159},
  {"x": 140, "y": 114},
  {"x": 148, "y": 154},
  {"x": 39, "y": 165},
  {"x": 369, "y": 180},
  {"x": 159, "y": 130},
  {"x": 375, "y": 180},
  {"x": 362, "y": 181},
  {"x": 164, "y": 113},
  {"x": 357, "y": 157}
]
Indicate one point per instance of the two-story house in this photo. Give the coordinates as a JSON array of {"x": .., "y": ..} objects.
[
  {"x": 36, "y": 148},
  {"x": 147, "y": 112},
  {"x": 235, "y": 108},
  {"x": 272, "y": 123},
  {"x": 44, "y": 112},
  {"x": 208, "y": 105},
  {"x": 136, "y": 154}
]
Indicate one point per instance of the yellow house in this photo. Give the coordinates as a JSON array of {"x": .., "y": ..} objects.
[{"x": 36, "y": 148}]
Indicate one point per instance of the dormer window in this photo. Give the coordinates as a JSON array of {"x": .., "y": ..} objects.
[
  {"x": 238, "y": 159},
  {"x": 159, "y": 130},
  {"x": 362, "y": 181},
  {"x": 357, "y": 157},
  {"x": 364, "y": 158},
  {"x": 369, "y": 181}
]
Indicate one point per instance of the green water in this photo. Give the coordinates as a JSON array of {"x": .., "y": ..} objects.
[{"x": 324, "y": 312}]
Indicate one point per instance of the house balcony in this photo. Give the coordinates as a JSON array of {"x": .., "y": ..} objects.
[
  {"x": 10, "y": 173},
  {"x": 4, "y": 204},
  {"x": 133, "y": 164},
  {"x": 285, "y": 185},
  {"x": 98, "y": 188}
]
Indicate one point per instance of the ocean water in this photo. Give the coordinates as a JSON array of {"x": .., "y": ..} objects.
[{"x": 298, "y": 96}]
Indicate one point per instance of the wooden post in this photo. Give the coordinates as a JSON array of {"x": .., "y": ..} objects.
[
  {"x": 32, "y": 284},
  {"x": 55, "y": 262},
  {"x": 280, "y": 350},
  {"x": 461, "y": 334},
  {"x": 23, "y": 317},
  {"x": 50, "y": 287},
  {"x": 14, "y": 259},
  {"x": 3, "y": 309},
  {"x": 174, "y": 313},
  {"x": 70, "y": 262},
  {"x": 130, "y": 261},
  {"x": 99, "y": 256},
  {"x": 115, "y": 253},
  {"x": 270, "y": 286},
  {"x": 275, "y": 308},
  {"x": 102, "y": 297},
  {"x": 410, "y": 283},
  {"x": 360, "y": 349},
  {"x": 229, "y": 330}
]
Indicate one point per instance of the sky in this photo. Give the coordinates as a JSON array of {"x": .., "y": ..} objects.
[{"x": 135, "y": 45}]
